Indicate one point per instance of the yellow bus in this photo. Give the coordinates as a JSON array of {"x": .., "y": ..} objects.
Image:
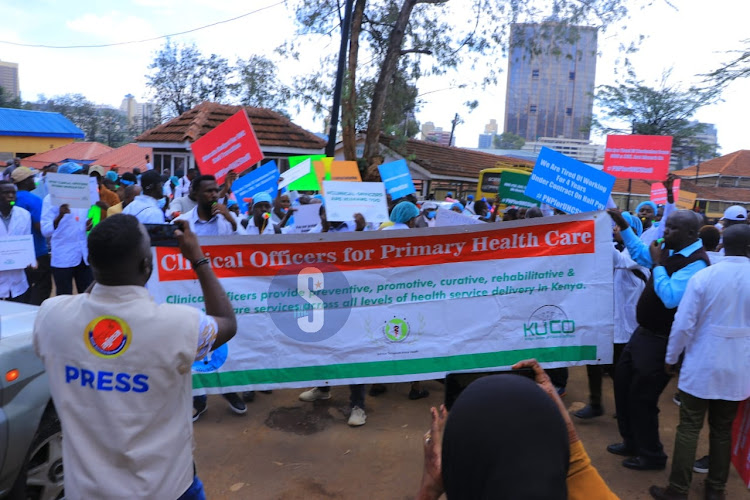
[{"x": 489, "y": 178}]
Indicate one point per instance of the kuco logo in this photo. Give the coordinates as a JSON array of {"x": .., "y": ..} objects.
[
  {"x": 396, "y": 330},
  {"x": 548, "y": 322}
]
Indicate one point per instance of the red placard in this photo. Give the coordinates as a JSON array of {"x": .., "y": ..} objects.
[
  {"x": 230, "y": 146},
  {"x": 741, "y": 442},
  {"x": 638, "y": 156},
  {"x": 659, "y": 192}
]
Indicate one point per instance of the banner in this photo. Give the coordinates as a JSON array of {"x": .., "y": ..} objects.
[
  {"x": 741, "y": 442},
  {"x": 638, "y": 156},
  {"x": 397, "y": 179},
  {"x": 230, "y": 146},
  {"x": 264, "y": 179},
  {"x": 568, "y": 184},
  {"x": 511, "y": 189},
  {"x": 396, "y": 306}
]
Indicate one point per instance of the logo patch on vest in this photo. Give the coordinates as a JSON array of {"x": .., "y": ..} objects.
[{"x": 107, "y": 336}]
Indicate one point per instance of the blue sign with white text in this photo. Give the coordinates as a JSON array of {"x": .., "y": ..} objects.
[
  {"x": 264, "y": 179},
  {"x": 397, "y": 179},
  {"x": 568, "y": 184}
]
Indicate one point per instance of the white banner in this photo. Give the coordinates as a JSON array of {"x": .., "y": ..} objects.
[{"x": 391, "y": 306}]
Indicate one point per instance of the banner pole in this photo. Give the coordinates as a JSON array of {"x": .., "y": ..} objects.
[{"x": 630, "y": 186}]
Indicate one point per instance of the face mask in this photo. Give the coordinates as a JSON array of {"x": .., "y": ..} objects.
[
  {"x": 430, "y": 214},
  {"x": 162, "y": 202}
]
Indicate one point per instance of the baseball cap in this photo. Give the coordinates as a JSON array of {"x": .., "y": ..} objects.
[
  {"x": 98, "y": 169},
  {"x": 21, "y": 173},
  {"x": 69, "y": 168},
  {"x": 735, "y": 212}
]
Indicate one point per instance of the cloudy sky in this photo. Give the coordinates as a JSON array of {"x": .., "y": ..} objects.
[{"x": 689, "y": 41}]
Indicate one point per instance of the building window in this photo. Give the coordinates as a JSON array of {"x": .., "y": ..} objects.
[
  {"x": 569, "y": 111},
  {"x": 532, "y": 108},
  {"x": 572, "y": 75},
  {"x": 534, "y": 73}
]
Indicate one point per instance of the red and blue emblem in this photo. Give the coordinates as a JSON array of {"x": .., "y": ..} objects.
[{"x": 107, "y": 336}]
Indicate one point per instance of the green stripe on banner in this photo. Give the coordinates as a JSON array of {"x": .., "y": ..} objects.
[{"x": 393, "y": 367}]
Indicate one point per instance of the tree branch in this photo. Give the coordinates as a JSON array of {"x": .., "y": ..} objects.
[{"x": 416, "y": 51}]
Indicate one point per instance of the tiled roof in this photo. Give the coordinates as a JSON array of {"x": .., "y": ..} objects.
[
  {"x": 448, "y": 160},
  {"x": 25, "y": 123},
  {"x": 735, "y": 164},
  {"x": 125, "y": 158},
  {"x": 271, "y": 128},
  {"x": 725, "y": 194},
  {"x": 75, "y": 151}
]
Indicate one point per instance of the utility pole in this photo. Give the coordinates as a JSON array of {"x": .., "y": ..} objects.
[
  {"x": 456, "y": 120},
  {"x": 333, "y": 129}
]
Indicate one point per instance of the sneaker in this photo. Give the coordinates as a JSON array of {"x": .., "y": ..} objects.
[
  {"x": 701, "y": 465},
  {"x": 377, "y": 389},
  {"x": 418, "y": 394},
  {"x": 248, "y": 396},
  {"x": 589, "y": 411},
  {"x": 197, "y": 412},
  {"x": 357, "y": 417},
  {"x": 676, "y": 399},
  {"x": 235, "y": 403},
  {"x": 314, "y": 394}
]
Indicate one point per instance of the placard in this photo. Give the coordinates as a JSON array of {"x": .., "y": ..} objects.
[
  {"x": 71, "y": 189},
  {"x": 231, "y": 146},
  {"x": 17, "y": 252},
  {"x": 307, "y": 182},
  {"x": 512, "y": 188},
  {"x": 306, "y": 217},
  {"x": 344, "y": 199},
  {"x": 568, "y": 184},
  {"x": 686, "y": 200},
  {"x": 444, "y": 218},
  {"x": 264, "y": 179},
  {"x": 638, "y": 156},
  {"x": 397, "y": 179},
  {"x": 295, "y": 173}
]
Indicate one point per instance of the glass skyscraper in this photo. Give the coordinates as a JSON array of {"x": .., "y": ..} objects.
[{"x": 551, "y": 72}]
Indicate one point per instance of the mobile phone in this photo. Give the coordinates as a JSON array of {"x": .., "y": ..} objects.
[
  {"x": 455, "y": 383},
  {"x": 162, "y": 235}
]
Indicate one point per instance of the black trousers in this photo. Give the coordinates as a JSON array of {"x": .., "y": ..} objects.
[
  {"x": 64, "y": 277},
  {"x": 40, "y": 281},
  {"x": 595, "y": 374},
  {"x": 639, "y": 381}
]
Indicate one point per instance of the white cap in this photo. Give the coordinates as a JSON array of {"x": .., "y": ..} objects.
[{"x": 735, "y": 212}]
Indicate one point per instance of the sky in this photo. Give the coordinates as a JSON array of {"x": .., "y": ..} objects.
[{"x": 688, "y": 40}]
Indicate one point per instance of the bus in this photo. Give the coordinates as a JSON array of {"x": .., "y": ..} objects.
[{"x": 489, "y": 178}]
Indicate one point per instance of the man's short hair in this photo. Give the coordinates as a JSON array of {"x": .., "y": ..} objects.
[
  {"x": 196, "y": 183},
  {"x": 114, "y": 241},
  {"x": 710, "y": 237},
  {"x": 130, "y": 177},
  {"x": 150, "y": 178},
  {"x": 736, "y": 239}
]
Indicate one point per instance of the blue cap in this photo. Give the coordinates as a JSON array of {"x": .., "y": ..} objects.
[
  {"x": 69, "y": 168},
  {"x": 111, "y": 175},
  {"x": 174, "y": 180},
  {"x": 470, "y": 197}
]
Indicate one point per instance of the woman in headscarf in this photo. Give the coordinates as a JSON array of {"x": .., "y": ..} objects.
[{"x": 508, "y": 437}]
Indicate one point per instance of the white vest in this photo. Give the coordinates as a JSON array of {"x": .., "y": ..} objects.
[{"x": 119, "y": 367}]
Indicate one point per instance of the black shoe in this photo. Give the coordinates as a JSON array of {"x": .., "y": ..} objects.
[
  {"x": 676, "y": 399},
  {"x": 267, "y": 392},
  {"x": 643, "y": 463},
  {"x": 248, "y": 396},
  {"x": 667, "y": 493},
  {"x": 422, "y": 393},
  {"x": 622, "y": 449},
  {"x": 589, "y": 411},
  {"x": 197, "y": 412},
  {"x": 235, "y": 403},
  {"x": 377, "y": 390},
  {"x": 701, "y": 465}
]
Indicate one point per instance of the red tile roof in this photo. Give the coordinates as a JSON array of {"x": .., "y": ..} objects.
[
  {"x": 724, "y": 194},
  {"x": 81, "y": 151},
  {"x": 272, "y": 128},
  {"x": 735, "y": 164},
  {"x": 125, "y": 158},
  {"x": 448, "y": 160}
]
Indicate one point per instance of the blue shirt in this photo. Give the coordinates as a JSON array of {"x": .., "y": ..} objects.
[
  {"x": 669, "y": 289},
  {"x": 33, "y": 204}
]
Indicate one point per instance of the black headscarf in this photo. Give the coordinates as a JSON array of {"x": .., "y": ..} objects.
[{"x": 505, "y": 439}]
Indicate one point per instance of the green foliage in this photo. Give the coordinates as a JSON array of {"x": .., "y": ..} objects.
[
  {"x": 508, "y": 140},
  {"x": 258, "y": 85},
  {"x": 8, "y": 101},
  {"x": 738, "y": 67}
]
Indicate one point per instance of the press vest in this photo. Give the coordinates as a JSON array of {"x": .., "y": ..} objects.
[{"x": 119, "y": 368}]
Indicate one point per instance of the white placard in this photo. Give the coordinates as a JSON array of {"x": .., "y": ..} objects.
[
  {"x": 93, "y": 190},
  {"x": 445, "y": 218},
  {"x": 295, "y": 173},
  {"x": 71, "y": 189},
  {"x": 306, "y": 217},
  {"x": 344, "y": 199},
  {"x": 17, "y": 252}
]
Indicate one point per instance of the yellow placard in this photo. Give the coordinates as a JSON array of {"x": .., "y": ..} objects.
[
  {"x": 686, "y": 200},
  {"x": 336, "y": 171}
]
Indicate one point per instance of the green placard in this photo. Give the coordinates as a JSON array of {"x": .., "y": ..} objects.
[
  {"x": 512, "y": 187},
  {"x": 308, "y": 182}
]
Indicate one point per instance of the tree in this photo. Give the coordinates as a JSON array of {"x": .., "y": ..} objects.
[
  {"x": 667, "y": 110},
  {"x": 508, "y": 140},
  {"x": 736, "y": 68},
  {"x": 8, "y": 101},
  {"x": 76, "y": 108},
  {"x": 425, "y": 37},
  {"x": 258, "y": 85},
  {"x": 182, "y": 78}
]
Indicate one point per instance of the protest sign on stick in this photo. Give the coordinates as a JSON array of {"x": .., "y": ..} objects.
[
  {"x": 511, "y": 189},
  {"x": 638, "y": 156},
  {"x": 264, "y": 179},
  {"x": 397, "y": 179}
]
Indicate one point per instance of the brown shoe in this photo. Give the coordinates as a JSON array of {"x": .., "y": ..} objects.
[
  {"x": 667, "y": 493},
  {"x": 712, "y": 494}
]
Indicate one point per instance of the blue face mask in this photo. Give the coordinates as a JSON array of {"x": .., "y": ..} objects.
[
  {"x": 431, "y": 214},
  {"x": 162, "y": 202}
]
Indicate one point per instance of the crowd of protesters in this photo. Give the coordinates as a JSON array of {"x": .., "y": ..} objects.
[{"x": 681, "y": 302}]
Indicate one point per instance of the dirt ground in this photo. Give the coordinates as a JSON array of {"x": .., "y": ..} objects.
[{"x": 286, "y": 449}]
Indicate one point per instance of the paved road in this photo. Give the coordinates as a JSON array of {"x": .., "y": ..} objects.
[{"x": 286, "y": 449}]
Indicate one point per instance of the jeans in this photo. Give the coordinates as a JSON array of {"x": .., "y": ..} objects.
[
  {"x": 356, "y": 394},
  {"x": 195, "y": 492},
  {"x": 721, "y": 415},
  {"x": 40, "y": 281},
  {"x": 64, "y": 277},
  {"x": 639, "y": 381},
  {"x": 595, "y": 374}
]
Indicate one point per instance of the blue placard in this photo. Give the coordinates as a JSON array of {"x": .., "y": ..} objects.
[
  {"x": 567, "y": 184},
  {"x": 397, "y": 179},
  {"x": 264, "y": 179}
]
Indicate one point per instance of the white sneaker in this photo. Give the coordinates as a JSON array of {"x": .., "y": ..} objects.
[
  {"x": 358, "y": 417},
  {"x": 314, "y": 394}
]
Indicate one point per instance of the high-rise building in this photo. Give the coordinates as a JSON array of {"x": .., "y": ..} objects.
[
  {"x": 551, "y": 72},
  {"x": 490, "y": 131},
  {"x": 141, "y": 115},
  {"x": 9, "y": 79},
  {"x": 432, "y": 133}
]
